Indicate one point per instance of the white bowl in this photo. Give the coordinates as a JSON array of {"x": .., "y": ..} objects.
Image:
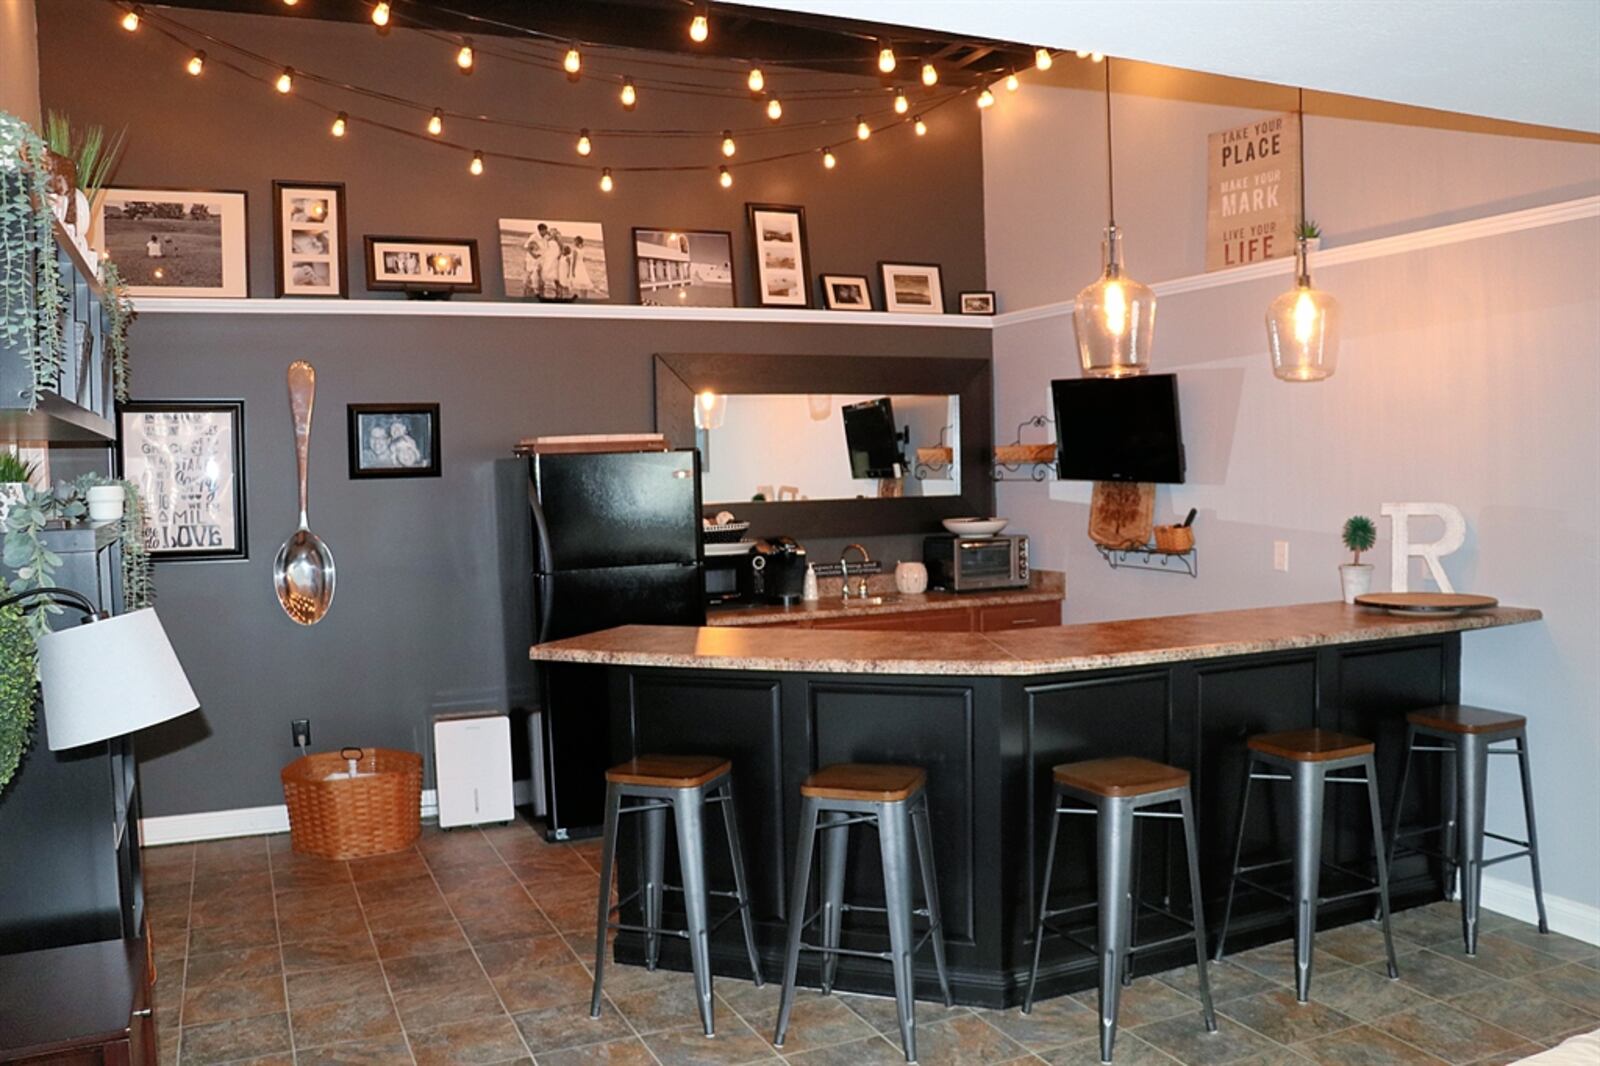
[{"x": 975, "y": 527}]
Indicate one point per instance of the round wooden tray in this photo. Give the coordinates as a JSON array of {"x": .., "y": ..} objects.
[{"x": 1426, "y": 603}]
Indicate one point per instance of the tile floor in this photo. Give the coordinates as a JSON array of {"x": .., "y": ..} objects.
[{"x": 471, "y": 948}]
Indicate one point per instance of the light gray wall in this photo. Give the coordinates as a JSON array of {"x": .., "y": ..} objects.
[{"x": 1468, "y": 374}]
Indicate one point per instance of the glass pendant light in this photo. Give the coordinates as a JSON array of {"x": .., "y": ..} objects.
[
  {"x": 1114, "y": 318},
  {"x": 710, "y": 409},
  {"x": 1303, "y": 323}
]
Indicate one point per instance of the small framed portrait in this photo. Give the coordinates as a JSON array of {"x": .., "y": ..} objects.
[
  {"x": 912, "y": 288},
  {"x": 186, "y": 461},
  {"x": 976, "y": 303},
  {"x": 684, "y": 268},
  {"x": 176, "y": 242},
  {"x": 778, "y": 240},
  {"x": 394, "y": 439},
  {"x": 308, "y": 239},
  {"x": 423, "y": 266},
  {"x": 560, "y": 262},
  {"x": 846, "y": 292}
]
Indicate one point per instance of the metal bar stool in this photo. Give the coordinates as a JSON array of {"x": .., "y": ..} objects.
[
  {"x": 892, "y": 798},
  {"x": 1309, "y": 758},
  {"x": 684, "y": 784},
  {"x": 1467, "y": 733},
  {"x": 1117, "y": 792}
]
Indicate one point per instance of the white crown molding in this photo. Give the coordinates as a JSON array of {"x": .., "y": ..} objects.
[{"x": 1382, "y": 247}]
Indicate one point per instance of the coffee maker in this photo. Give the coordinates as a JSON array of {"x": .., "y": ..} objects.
[{"x": 777, "y": 570}]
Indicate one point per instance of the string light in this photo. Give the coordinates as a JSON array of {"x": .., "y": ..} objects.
[
  {"x": 920, "y": 126},
  {"x": 436, "y": 122},
  {"x": 724, "y": 178},
  {"x": 986, "y": 99},
  {"x": 380, "y": 14},
  {"x": 930, "y": 75},
  {"x": 901, "y": 104},
  {"x": 290, "y": 3},
  {"x": 1043, "y": 59},
  {"x": 828, "y": 161},
  {"x": 699, "y": 27},
  {"x": 340, "y": 122},
  {"x": 886, "y": 60},
  {"x": 1098, "y": 57},
  {"x": 130, "y": 20},
  {"x": 863, "y": 131},
  {"x": 606, "y": 184},
  {"x": 630, "y": 95},
  {"x": 196, "y": 64},
  {"x": 1082, "y": 53},
  {"x": 465, "y": 57},
  {"x": 728, "y": 147},
  {"x": 285, "y": 80},
  {"x": 757, "y": 80},
  {"x": 774, "y": 109},
  {"x": 572, "y": 62},
  {"x": 476, "y": 166},
  {"x": 584, "y": 146},
  {"x": 1013, "y": 83}
]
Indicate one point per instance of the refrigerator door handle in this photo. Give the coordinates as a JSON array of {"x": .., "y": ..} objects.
[{"x": 542, "y": 531}]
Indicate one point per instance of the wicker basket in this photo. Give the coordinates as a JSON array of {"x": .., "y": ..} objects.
[
  {"x": 1019, "y": 454},
  {"x": 1174, "y": 540},
  {"x": 339, "y": 817}
]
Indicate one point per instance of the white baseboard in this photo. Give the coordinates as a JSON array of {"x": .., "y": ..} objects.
[
  {"x": 253, "y": 821},
  {"x": 1568, "y": 916}
]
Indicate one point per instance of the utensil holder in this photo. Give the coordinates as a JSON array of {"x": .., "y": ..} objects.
[{"x": 1174, "y": 540}]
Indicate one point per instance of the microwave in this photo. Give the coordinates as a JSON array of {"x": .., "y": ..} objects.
[
  {"x": 727, "y": 572},
  {"x": 964, "y": 564}
]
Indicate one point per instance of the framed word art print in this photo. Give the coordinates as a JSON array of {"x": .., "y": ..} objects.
[{"x": 186, "y": 461}]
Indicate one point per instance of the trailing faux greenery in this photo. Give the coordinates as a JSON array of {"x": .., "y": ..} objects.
[
  {"x": 33, "y": 293},
  {"x": 119, "y": 316},
  {"x": 138, "y": 588},
  {"x": 13, "y": 469},
  {"x": 18, "y": 672},
  {"x": 1360, "y": 535},
  {"x": 91, "y": 152}
]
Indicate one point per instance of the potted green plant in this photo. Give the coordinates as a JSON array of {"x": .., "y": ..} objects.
[
  {"x": 92, "y": 156},
  {"x": 14, "y": 477},
  {"x": 1355, "y": 577},
  {"x": 1309, "y": 232}
]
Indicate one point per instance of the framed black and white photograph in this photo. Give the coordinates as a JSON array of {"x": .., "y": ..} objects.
[
  {"x": 394, "y": 439},
  {"x": 778, "y": 242},
  {"x": 562, "y": 262},
  {"x": 846, "y": 292},
  {"x": 422, "y": 264},
  {"x": 308, "y": 238},
  {"x": 684, "y": 268},
  {"x": 176, "y": 242},
  {"x": 912, "y": 288},
  {"x": 186, "y": 460},
  {"x": 976, "y": 303}
]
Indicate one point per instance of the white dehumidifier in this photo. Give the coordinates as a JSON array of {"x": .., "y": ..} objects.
[{"x": 472, "y": 768}]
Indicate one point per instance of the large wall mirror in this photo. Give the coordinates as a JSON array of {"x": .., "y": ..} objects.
[{"x": 892, "y": 446}]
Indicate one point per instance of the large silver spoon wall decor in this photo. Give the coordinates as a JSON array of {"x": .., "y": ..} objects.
[{"x": 303, "y": 571}]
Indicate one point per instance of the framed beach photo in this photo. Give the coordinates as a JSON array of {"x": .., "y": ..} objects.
[
  {"x": 976, "y": 303},
  {"x": 846, "y": 292},
  {"x": 778, "y": 242},
  {"x": 393, "y": 439},
  {"x": 308, "y": 239},
  {"x": 912, "y": 288},
  {"x": 422, "y": 265},
  {"x": 684, "y": 268},
  {"x": 554, "y": 261},
  {"x": 176, "y": 242},
  {"x": 186, "y": 460}
]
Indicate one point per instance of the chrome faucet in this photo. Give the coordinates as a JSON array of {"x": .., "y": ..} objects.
[{"x": 844, "y": 572}]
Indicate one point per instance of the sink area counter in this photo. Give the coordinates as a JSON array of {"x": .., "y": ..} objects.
[{"x": 1044, "y": 587}]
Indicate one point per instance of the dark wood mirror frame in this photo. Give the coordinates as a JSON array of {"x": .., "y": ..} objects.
[{"x": 679, "y": 377}]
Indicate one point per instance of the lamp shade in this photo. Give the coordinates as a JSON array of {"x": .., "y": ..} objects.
[
  {"x": 109, "y": 678},
  {"x": 1114, "y": 318}
]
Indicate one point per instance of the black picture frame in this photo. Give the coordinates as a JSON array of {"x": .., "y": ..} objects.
[
  {"x": 353, "y": 413},
  {"x": 375, "y": 284},
  {"x": 338, "y": 254},
  {"x": 986, "y": 294},
  {"x": 803, "y": 267},
  {"x": 733, "y": 274},
  {"x": 235, "y": 410},
  {"x": 825, "y": 281},
  {"x": 885, "y": 266},
  {"x": 241, "y": 258}
]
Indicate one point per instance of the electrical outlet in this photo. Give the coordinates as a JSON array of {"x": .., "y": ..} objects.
[
  {"x": 1280, "y": 555},
  {"x": 300, "y": 729}
]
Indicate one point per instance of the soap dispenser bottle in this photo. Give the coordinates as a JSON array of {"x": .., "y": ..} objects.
[{"x": 808, "y": 591}]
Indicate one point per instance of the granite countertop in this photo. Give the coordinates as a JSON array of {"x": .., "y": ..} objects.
[
  {"x": 1027, "y": 652},
  {"x": 1043, "y": 586}
]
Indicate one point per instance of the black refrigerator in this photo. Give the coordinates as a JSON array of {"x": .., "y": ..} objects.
[{"x": 612, "y": 539}]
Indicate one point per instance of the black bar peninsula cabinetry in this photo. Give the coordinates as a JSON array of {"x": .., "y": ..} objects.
[{"x": 988, "y": 715}]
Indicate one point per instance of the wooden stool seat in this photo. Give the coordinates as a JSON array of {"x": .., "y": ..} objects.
[
  {"x": 1311, "y": 745},
  {"x": 1457, "y": 718},
  {"x": 669, "y": 771},
  {"x": 1127, "y": 776},
  {"x": 865, "y": 782}
]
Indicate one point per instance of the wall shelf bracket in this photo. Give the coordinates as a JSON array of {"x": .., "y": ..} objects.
[{"x": 1148, "y": 558}]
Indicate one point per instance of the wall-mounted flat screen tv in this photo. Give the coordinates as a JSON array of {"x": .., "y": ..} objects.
[
  {"x": 1118, "y": 429},
  {"x": 874, "y": 443}
]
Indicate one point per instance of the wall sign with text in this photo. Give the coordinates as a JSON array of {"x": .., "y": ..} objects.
[
  {"x": 1253, "y": 192},
  {"x": 186, "y": 459}
]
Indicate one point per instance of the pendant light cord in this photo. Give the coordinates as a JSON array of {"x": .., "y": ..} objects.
[
  {"x": 1111, "y": 184},
  {"x": 1300, "y": 113}
]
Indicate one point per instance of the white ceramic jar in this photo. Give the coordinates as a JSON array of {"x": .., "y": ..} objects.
[
  {"x": 911, "y": 579},
  {"x": 106, "y": 502}
]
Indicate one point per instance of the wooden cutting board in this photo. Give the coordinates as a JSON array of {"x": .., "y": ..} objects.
[
  {"x": 1122, "y": 514},
  {"x": 1422, "y": 603}
]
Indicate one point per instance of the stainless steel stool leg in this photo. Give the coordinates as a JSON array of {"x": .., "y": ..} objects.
[
  {"x": 1238, "y": 852},
  {"x": 1393, "y": 839},
  {"x": 730, "y": 822},
  {"x": 930, "y": 891},
  {"x": 1533, "y": 833},
  {"x": 688, "y": 808},
  {"x": 608, "y": 858},
  {"x": 1114, "y": 839},
  {"x": 835, "y": 848},
  {"x": 797, "y": 915},
  {"x": 1197, "y": 904},
  {"x": 1472, "y": 768},
  {"x": 1044, "y": 901},
  {"x": 653, "y": 823},
  {"x": 894, "y": 843},
  {"x": 1133, "y": 902},
  {"x": 1451, "y": 845},
  {"x": 1371, "y": 769},
  {"x": 1308, "y": 781}
]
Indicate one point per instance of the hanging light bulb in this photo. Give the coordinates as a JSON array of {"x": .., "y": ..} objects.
[
  {"x": 572, "y": 62},
  {"x": 724, "y": 178},
  {"x": 757, "y": 80},
  {"x": 699, "y": 27},
  {"x": 476, "y": 166},
  {"x": 1097, "y": 57},
  {"x": 986, "y": 99},
  {"x": 1013, "y": 83},
  {"x": 130, "y": 18},
  {"x": 196, "y": 64},
  {"x": 341, "y": 122},
  {"x": 886, "y": 60},
  {"x": 930, "y": 74},
  {"x": 465, "y": 57},
  {"x": 728, "y": 147},
  {"x": 920, "y": 126},
  {"x": 774, "y": 109},
  {"x": 1303, "y": 323},
  {"x": 584, "y": 147},
  {"x": 828, "y": 160},
  {"x": 630, "y": 95},
  {"x": 285, "y": 80},
  {"x": 863, "y": 131},
  {"x": 1042, "y": 59},
  {"x": 710, "y": 410},
  {"x": 1115, "y": 317},
  {"x": 380, "y": 14},
  {"x": 901, "y": 104},
  {"x": 436, "y": 122},
  {"x": 606, "y": 184},
  {"x": 1082, "y": 53},
  {"x": 290, "y": 3}
]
